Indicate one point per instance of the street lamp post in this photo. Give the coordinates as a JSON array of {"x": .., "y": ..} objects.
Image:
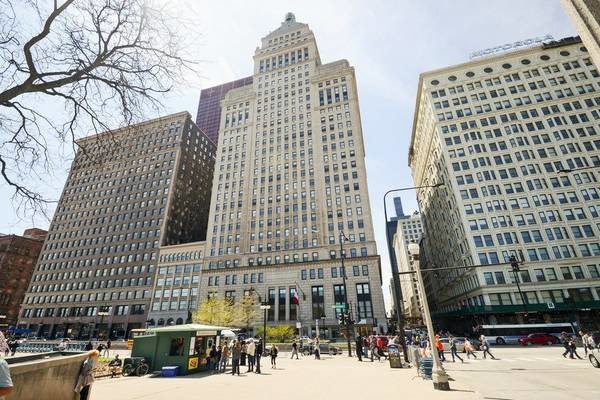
[
  {"x": 438, "y": 375},
  {"x": 102, "y": 313},
  {"x": 265, "y": 306},
  {"x": 346, "y": 319},
  {"x": 515, "y": 269},
  {"x": 394, "y": 267}
]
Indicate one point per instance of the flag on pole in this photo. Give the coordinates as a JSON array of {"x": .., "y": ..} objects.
[{"x": 295, "y": 299}]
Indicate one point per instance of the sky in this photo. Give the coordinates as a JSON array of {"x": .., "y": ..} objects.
[{"x": 389, "y": 43}]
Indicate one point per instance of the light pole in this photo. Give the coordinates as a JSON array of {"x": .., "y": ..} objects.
[
  {"x": 438, "y": 375},
  {"x": 346, "y": 319},
  {"x": 102, "y": 313},
  {"x": 394, "y": 266},
  {"x": 265, "y": 306},
  {"x": 515, "y": 269}
]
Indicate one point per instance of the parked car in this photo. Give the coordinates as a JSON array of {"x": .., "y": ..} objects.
[{"x": 538, "y": 338}]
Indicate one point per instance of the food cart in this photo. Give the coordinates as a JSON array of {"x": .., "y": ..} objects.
[{"x": 183, "y": 346}]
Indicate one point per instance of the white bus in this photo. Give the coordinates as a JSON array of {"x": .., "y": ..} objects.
[{"x": 510, "y": 333}]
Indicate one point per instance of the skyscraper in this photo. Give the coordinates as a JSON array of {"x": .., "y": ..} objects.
[
  {"x": 18, "y": 255},
  {"x": 208, "y": 118},
  {"x": 129, "y": 191},
  {"x": 514, "y": 139},
  {"x": 290, "y": 179},
  {"x": 585, "y": 15}
]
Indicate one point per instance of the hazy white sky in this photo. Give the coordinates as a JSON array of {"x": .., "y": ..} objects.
[{"x": 388, "y": 42}]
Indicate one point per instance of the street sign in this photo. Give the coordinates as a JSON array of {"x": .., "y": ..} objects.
[
  {"x": 550, "y": 305},
  {"x": 338, "y": 306},
  {"x": 298, "y": 325}
]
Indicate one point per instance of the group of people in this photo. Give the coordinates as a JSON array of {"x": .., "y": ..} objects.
[
  {"x": 570, "y": 344},
  {"x": 241, "y": 352},
  {"x": 373, "y": 345},
  {"x": 103, "y": 348}
]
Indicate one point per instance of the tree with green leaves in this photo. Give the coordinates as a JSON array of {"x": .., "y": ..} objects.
[
  {"x": 215, "y": 311},
  {"x": 246, "y": 311}
]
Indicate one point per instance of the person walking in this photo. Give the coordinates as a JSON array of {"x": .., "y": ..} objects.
[
  {"x": 485, "y": 345},
  {"x": 250, "y": 349},
  {"x": 573, "y": 347},
  {"x": 453, "y": 351},
  {"x": 585, "y": 341},
  {"x": 224, "y": 358},
  {"x": 440, "y": 348},
  {"x": 88, "y": 347},
  {"x": 564, "y": 340},
  {"x": 373, "y": 349},
  {"x": 365, "y": 347},
  {"x": 317, "y": 349},
  {"x": 294, "y": 350},
  {"x": 258, "y": 354},
  {"x": 86, "y": 375},
  {"x": 274, "y": 352},
  {"x": 359, "y": 345},
  {"x": 106, "y": 352},
  {"x": 236, "y": 354},
  {"x": 469, "y": 349}
]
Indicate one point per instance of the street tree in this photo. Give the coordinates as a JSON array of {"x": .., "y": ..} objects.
[
  {"x": 246, "y": 311},
  {"x": 215, "y": 311},
  {"x": 72, "y": 68}
]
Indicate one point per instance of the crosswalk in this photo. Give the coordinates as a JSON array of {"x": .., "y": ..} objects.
[{"x": 526, "y": 360}]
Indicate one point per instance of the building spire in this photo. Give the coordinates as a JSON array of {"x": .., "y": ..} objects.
[{"x": 290, "y": 17}]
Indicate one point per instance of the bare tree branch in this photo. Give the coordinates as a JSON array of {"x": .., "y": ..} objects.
[{"x": 90, "y": 65}]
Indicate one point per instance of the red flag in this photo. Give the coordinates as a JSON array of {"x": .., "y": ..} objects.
[{"x": 295, "y": 299}]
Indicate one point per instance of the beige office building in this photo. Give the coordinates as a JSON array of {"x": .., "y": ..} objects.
[
  {"x": 289, "y": 178},
  {"x": 515, "y": 138},
  {"x": 409, "y": 229},
  {"x": 585, "y": 15}
]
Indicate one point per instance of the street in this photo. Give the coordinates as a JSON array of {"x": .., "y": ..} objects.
[{"x": 520, "y": 373}]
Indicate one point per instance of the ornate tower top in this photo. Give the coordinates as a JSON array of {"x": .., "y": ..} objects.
[{"x": 290, "y": 17}]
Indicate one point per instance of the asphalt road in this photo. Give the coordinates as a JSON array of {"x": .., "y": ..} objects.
[{"x": 528, "y": 373}]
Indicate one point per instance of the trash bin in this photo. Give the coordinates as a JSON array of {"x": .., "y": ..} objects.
[
  {"x": 394, "y": 356},
  {"x": 169, "y": 371}
]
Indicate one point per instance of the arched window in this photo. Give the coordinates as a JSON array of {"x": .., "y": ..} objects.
[
  {"x": 170, "y": 321},
  {"x": 179, "y": 321},
  {"x": 161, "y": 322}
]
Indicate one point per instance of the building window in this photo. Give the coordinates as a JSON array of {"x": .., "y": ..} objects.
[
  {"x": 363, "y": 298},
  {"x": 271, "y": 311},
  {"x": 318, "y": 302},
  {"x": 282, "y": 303},
  {"x": 339, "y": 297}
]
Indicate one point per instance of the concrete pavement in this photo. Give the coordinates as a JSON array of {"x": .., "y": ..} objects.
[{"x": 519, "y": 374}]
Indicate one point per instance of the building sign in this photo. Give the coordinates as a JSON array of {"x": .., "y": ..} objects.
[
  {"x": 511, "y": 46},
  {"x": 192, "y": 363}
]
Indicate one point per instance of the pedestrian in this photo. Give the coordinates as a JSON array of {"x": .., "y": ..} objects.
[
  {"x": 244, "y": 353},
  {"x": 359, "y": 344},
  {"x": 317, "y": 349},
  {"x": 469, "y": 348},
  {"x": 250, "y": 349},
  {"x": 564, "y": 340},
  {"x": 573, "y": 347},
  {"x": 380, "y": 348},
  {"x": 212, "y": 358},
  {"x": 106, "y": 352},
  {"x": 294, "y": 350},
  {"x": 453, "y": 351},
  {"x": 585, "y": 341},
  {"x": 6, "y": 385},
  {"x": 258, "y": 354},
  {"x": 440, "y": 348},
  {"x": 224, "y": 358},
  {"x": 62, "y": 345},
  {"x": 114, "y": 366},
  {"x": 274, "y": 352},
  {"x": 485, "y": 345},
  {"x": 373, "y": 348},
  {"x": 236, "y": 353},
  {"x": 88, "y": 346},
  {"x": 14, "y": 344},
  {"x": 86, "y": 375},
  {"x": 366, "y": 347},
  {"x": 100, "y": 348}
]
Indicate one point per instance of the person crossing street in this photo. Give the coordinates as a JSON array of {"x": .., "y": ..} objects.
[
  {"x": 485, "y": 345},
  {"x": 453, "y": 351}
]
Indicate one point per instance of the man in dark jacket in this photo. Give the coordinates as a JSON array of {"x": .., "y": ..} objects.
[
  {"x": 257, "y": 354},
  {"x": 359, "y": 344}
]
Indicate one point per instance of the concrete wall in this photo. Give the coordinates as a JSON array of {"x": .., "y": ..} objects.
[{"x": 50, "y": 378}]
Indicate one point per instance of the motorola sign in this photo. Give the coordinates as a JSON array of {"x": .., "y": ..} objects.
[{"x": 510, "y": 46}]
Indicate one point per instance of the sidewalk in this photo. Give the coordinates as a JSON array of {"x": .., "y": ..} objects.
[{"x": 331, "y": 377}]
